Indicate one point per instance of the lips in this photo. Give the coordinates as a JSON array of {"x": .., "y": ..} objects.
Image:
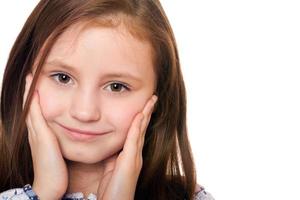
[{"x": 78, "y": 134}]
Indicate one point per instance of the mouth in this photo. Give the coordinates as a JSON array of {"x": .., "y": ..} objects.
[{"x": 77, "y": 134}]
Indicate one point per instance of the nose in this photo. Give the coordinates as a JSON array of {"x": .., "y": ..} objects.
[{"x": 84, "y": 106}]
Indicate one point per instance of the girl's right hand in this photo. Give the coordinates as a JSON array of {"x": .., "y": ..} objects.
[{"x": 50, "y": 170}]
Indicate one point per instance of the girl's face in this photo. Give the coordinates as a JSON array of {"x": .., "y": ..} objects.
[{"x": 95, "y": 80}]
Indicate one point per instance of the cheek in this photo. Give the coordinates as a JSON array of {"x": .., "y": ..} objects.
[
  {"x": 51, "y": 102},
  {"x": 122, "y": 114}
]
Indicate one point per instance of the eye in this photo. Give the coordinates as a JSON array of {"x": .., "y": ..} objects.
[
  {"x": 118, "y": 87},
  {"x": 62, "y": 78}
]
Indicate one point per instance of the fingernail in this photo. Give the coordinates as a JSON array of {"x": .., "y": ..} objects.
[
  {"x": 28, "y": 77},
  {"x": 154, "y": 99}
]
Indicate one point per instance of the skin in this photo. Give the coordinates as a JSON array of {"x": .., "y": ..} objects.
[{"x": 82, "y": 96}]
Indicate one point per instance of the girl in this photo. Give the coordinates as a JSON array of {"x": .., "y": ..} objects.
[{"x": 93, "y": 106}]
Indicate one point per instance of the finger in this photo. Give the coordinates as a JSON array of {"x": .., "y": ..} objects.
[
  {"x": 38, "y": 122},
  {"x": 147, "y": 111},
  {"x": 29, "y": 119},
  {"x": 138, "y": 133},
  {"x": 138, "y": 122},
  {"x": 28, "y": 81},
  {"x": 29, "y": 130},
  {"x": 131, "y": 143}
]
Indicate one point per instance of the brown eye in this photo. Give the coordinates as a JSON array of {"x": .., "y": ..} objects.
[
  {"x": 117, "y": 87},
  {"x": 62, "y": 78}
]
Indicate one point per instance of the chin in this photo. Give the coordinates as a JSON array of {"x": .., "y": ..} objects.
[
  {"x": 87, "y": 157},
  {"x": 84, "y": 161}
]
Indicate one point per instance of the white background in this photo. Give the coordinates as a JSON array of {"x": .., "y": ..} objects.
[{"x": 241, "y": 63}]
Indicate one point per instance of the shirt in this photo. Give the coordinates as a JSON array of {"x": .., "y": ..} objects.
[{"x": 25, "y": 194}]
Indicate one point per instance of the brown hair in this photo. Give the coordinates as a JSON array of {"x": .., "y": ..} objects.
[{"x": 168, "y": 169}]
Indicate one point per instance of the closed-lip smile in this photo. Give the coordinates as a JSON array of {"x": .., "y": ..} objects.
[
  {"x": 82, "y": 134},
  {"x": 82, "y": 131}
]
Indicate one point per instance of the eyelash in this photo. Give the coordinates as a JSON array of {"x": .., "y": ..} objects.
[{"x": 56, "y": 76}]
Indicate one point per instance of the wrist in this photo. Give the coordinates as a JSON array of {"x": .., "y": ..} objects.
[{"x": 47, "y": 194}]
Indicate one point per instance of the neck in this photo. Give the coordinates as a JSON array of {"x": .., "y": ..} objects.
[{"x": 84, "y": 178}]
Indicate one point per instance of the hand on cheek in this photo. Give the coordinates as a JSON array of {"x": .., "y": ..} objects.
[
  {"x": 50, "y": 171},
  {"x": 122, "y": 171}
]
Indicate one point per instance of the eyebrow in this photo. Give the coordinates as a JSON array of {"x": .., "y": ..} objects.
[{"x": 105, "y": 76}]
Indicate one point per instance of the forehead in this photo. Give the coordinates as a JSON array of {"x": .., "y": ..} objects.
[
  {"x": 83, "y": 32},
  {"x": 106, "y": 46}
]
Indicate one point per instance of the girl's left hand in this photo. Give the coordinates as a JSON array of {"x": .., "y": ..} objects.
[{"x": 122, "y": 171}]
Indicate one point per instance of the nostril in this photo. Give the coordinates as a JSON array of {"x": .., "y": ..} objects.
[
  {"x": 85, "y": 114},
  {"x": 84, "y": 105}
]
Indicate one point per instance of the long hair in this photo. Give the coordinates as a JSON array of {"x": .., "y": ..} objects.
[{"x": 168, "y": 169}]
